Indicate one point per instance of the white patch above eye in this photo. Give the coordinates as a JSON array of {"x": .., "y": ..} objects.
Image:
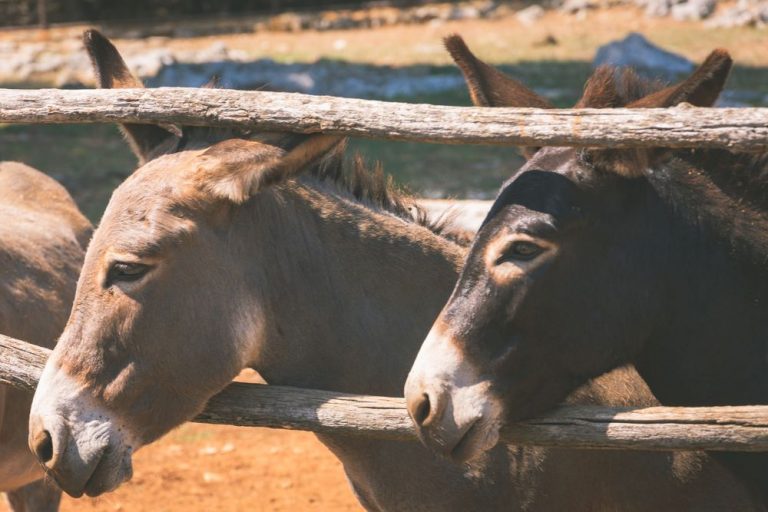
[{"x": 513, "y": 269}]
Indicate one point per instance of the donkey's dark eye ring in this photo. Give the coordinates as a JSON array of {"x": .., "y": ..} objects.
[
  {"x": 125, "y": 272},
  {"x": 520, "y": 251}
]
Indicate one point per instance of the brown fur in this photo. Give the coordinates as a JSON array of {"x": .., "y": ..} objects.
[
  {"x": 312, "y": 285},
  {"x": 488, "y": 86},
  {"x": 42, "y": 241},
  {"x": 689, "y": 308},
  {"x": 326, "y": 241}
]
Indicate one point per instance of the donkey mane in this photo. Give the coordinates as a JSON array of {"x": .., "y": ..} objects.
[
  {"x": 612, "y": 87},
  {"x": 721, "y": 192},
  {"x": 374, "y": 188},
  {"x": 351, "y": 176}
]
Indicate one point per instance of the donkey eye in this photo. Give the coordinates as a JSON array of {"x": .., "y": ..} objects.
[
  {"x": 520, "y": 251},
  {"x": 121, "y": 271}
]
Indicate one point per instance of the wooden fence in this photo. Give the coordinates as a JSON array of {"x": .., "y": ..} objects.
[
  {"x": 743, "y": 428},
  {"x": 740, "y": 128},
  {"x": 256, "y": 405}
]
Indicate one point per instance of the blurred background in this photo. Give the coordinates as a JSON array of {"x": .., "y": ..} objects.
[{"x": 380, "y": 50}]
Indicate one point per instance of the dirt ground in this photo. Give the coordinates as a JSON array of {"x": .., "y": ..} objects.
[
  {"x": 221, "y": 468},
  {"x": 212, "y": 468}
]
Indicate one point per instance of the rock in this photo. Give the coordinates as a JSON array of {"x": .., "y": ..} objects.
[
  {"x": 694, "y": 10},
  {"x": 576, "y": 6},
  {"x": 743, "y": 14},
  {"x": 150, "y": 63},
  {"x": 637, "y": 52},
  {"x": 530, "y": 14},
  {"x": 217, "y": 51},
  {"x": 210, "y": 477},
  {"x": 464, "y": 12},
  {"x": 548, "y": 40},
  {"x": 657, "y": 8}
]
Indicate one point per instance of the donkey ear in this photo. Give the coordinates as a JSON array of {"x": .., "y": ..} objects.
[
  {"x": 701, "y": 89},
  {"x": 235, "y": 169},
  {"x": 146, "y": 140},
  {"x": 488, "y": 86}
]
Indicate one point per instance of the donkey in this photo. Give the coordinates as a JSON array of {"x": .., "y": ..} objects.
[
  {"x": 220, "y": 253},
  {"x": 653, "y": 257},
  {"x": 42, "y": 243}
]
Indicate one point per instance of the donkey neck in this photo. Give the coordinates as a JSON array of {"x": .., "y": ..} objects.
[
  {"x": 711, "y": 340},
  {"x": 349, "y": 291}
]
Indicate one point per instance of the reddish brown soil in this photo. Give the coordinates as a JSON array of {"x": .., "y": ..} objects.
[
  {"x": 216, "y": 467},
  {"x": 206, "y": 467}
]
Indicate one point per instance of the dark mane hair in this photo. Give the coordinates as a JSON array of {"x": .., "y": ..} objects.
[
  {"x": 375, "y": 188},
  {"x": 611, "y": 87}
]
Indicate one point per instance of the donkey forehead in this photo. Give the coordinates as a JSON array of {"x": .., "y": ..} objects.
[
  {"x": 151, "y": 206},
  {"x": 563, "y": 161},
  {"x": 546, "y": 188}
]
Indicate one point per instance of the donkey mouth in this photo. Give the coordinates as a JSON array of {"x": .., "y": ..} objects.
[
  {"x": 112, "y": 470},
  {"x": 73, "y": 483},
  {"x": 108, "y": 471},
  {"x": 466, "y": 448}
]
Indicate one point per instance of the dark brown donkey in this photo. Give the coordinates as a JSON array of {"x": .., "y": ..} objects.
[
  {"x": 42, "y": 243},
  {"x": 594, "y": 258},
  {"x": 219, "y": 255}
]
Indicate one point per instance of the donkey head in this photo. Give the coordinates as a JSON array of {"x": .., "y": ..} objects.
[
  {"x": 161, "y": 319},
  {"x": 563, "y": 279}
]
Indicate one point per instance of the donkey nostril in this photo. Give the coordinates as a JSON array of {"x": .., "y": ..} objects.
[
  {"x": 44, "y": 447},
  {"x": 422, "y": 410}
]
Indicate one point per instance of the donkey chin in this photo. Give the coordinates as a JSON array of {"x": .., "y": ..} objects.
[
  {"x": 455, "y": 412},
  {"x": 85, "y": 448}
]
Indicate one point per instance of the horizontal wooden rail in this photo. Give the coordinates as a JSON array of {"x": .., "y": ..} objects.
[
  {"x": 255, "y": 405},
  {"x": 741, "y": 128}
]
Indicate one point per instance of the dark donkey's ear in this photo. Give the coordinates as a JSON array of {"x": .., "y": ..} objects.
[
  {"x": 146, "y": 140},
  {"x": 489, "y": 87},
  {"x": 701, "y": 89},
  {"x": 235, "y": 169}
]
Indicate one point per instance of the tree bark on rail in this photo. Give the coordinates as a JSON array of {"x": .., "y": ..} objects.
[
  {"x": 743, "y": 428},
  {"x": 743, "y": 129}
]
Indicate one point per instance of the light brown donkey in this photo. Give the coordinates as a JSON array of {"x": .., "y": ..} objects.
[
  {"x": 42, "y": 244},
  {"x": 223, "y": 253}
]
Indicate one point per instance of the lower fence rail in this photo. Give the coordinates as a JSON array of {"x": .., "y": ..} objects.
[{"x": 728, "y": 428}]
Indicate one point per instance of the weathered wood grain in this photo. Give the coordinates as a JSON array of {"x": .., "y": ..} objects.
[
  {"x": 735, "y": 128},
  {"x": 254, "y": 405}
]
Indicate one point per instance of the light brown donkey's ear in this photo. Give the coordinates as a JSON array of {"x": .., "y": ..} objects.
[
  {"x": 489, "y": 87},
  {"x": 146, "y": 140},
  {"x": 235, "y": 169},
  {"x": 701, "y": 89}
]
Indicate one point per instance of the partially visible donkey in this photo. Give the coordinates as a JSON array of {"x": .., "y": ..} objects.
[{"x": 42, "y": 244}]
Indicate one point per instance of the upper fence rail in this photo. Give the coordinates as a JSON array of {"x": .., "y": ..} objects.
[
  {"x": 655, "y": 428},
  {"x": 741, "y": 129}
]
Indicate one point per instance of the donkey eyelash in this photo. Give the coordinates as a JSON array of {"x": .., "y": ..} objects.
[
  {"x": 125, "y": 272},
  {"x": 520, "y": 250}
]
